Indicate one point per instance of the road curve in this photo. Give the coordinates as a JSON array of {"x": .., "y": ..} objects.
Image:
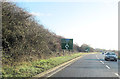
[{"x": 92, "y": 65}]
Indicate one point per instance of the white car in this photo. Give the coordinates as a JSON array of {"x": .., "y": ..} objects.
[{"x": 111, "y": 56}]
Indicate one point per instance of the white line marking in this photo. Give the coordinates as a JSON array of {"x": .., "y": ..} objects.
[
  {"x": 108, "y": 67},
  {"x": 102, "y": 62},
  {"x": 97, "y": 57},
  {"x": 117, "y": 74},
  {"x": 58, "y": 70}
]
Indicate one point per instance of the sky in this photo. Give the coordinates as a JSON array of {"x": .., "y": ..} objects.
[{"x": 92, "y": 22}]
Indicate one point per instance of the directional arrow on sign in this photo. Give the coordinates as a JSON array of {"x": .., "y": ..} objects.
[{"x": 66, "y": 46}]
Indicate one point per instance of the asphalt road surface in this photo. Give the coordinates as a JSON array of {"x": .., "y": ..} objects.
[{"x": 92, "y": 65}]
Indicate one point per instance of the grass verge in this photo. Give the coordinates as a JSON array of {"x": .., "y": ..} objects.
[{"x": 33, "y": 68}]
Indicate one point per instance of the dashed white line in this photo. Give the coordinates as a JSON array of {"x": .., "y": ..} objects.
[
  {"x": 117, "y": 74},
  {"x": 97, "y": 57},
  {"x": 102, "y": 62},
  {"x": 107, "y": 66}
]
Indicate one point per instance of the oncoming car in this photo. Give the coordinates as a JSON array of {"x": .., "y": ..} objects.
[{"x": 110, "y": 56}]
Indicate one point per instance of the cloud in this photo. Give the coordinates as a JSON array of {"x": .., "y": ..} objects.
[
  {"x": 40, "y": 14},
  {"x": 36, "y": 14}
]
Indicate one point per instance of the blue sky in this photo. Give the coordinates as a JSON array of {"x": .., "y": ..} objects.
[{"x": 93, "y": 23}]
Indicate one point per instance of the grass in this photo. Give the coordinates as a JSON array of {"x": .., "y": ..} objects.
[{"x": 33, "y": 68}]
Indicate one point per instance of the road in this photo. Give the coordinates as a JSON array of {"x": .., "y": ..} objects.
[{"x": 92, "y": 65}]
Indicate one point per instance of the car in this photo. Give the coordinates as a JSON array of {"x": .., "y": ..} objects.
[{"x": 110, "y": 56}]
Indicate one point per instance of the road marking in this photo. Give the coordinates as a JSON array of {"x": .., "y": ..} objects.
[
  {"x": 107, "y": 66},
  {"x": 102, "y": 62},
  {"x": 59, "y": 70},
  {"x": 117, "y": 74},
  {"x": 97, "y": 57}
]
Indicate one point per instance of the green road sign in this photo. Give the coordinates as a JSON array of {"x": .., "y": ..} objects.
[
  {"x": 67, "y": 43},
  {"x": 87, "y": 49}
]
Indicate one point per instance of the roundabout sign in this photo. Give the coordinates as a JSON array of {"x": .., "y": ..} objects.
[{"x": 67, "y": 44}]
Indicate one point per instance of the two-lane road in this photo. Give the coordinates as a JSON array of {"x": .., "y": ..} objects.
[{"x": 92, "y": 65}]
